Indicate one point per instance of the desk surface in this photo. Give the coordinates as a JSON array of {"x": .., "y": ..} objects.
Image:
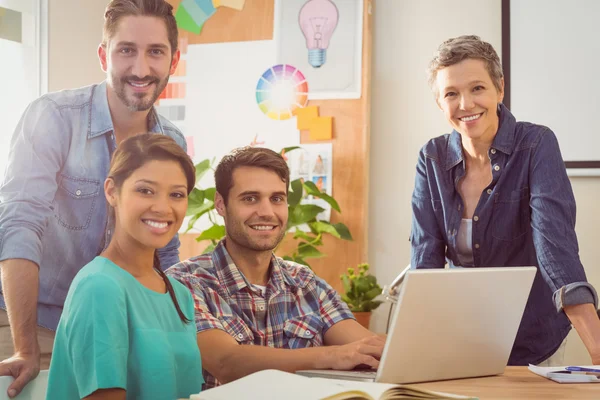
[{"x": 516, "y": 383}]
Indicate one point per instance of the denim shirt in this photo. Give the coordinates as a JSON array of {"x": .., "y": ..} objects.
[
  {"x": 52, "y": 206},
  {"x": 525, "y": 216}
]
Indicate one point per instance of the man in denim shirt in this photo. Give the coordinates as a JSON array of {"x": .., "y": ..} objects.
[
  {"x": 495, "y": 193},
  {"x": 53, "y": 214}
]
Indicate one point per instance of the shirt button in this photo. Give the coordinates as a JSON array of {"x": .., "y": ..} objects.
[
  {"x": 489, "y": 191},
  {"x": 307, "y": 333},
  {"x": 261, "y": 308},
  {"x": 270, "y": 344},
  {"x": 496, "y": 167},
  {"x": 108, "y": 232},
  {"x": 459, "y": 207},
  {"x": 476, "y": 245},
  {"x": 78, "y": 192},
  {"x": 493, "y": 151},
  {"x": 240, "y": 336},
  {"x": 476, "y": 218}
]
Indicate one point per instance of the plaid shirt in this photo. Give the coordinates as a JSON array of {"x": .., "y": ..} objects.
[{"x": 296, "y": 310}]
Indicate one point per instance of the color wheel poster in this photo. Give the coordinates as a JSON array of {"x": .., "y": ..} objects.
[{"x": 222, "y": 110}]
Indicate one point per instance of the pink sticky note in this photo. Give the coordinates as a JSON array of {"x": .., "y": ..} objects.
[{"x": 190, "y": 146}]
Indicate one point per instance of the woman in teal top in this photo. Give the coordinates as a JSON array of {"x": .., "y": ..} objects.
[{"x": 127, "y": 331}]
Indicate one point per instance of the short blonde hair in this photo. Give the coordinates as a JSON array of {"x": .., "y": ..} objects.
[{"x": 457, "y": 49}]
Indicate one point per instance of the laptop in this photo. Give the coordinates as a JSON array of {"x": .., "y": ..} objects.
[{"x": 449, "y": 324}]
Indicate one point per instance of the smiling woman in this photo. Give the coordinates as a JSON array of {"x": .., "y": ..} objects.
[{"x": 123, "y": 316}]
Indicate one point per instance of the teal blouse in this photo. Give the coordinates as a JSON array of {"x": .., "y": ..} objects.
[{"x": 116, "y": 333}]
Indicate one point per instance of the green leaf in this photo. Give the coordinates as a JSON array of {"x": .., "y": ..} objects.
[
  {"x": 324, "y": 227},
  {"x": 288, "y": 149},
  {"x": 301, "y": 261},
  {"x": 312, "y": 189},
  {"x": 346, "y": 283},
  {"x": 303, "y": 235},
  {"x": 288, "y": 258},
  {"x": 201, "y": 169},
  {"x": 343, "y": 231},
  {"x": 196, "y": 197},
  {"x": 371, "y": 305},
  {"x": 201, "y": 209},
  {"x": 295, "y": 195},
  {"x": 215, "y": 232},
  {"x": 346, "y": 299},
  {"x": 308, "y": 251},
  {"x": 209, "y": 194},
  {"x": 192, "y": 221},
  {"x": 361, "y": 285},
  {"x": 372, "y": 293},
  {"x": 304, "y": 213}
]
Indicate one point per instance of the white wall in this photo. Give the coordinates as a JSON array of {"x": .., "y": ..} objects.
[
  {"x": 404, "y": 116},
  {"x": 75, "y": 31}
]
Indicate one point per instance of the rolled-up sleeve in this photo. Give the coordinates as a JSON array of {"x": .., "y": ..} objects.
[
  {"x": 427, "y": 243},
  {"x": 553, "y": 225},
  {"x": 37, "y": 152}
]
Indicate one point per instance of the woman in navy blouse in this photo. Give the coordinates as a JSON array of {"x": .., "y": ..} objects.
[{"x": 495, "y": 193}]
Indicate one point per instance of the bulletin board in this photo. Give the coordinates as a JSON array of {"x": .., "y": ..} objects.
[{"x": 246, "y": 32}]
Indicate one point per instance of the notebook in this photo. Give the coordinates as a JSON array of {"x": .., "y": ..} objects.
[{"x": 275, "y": 385}]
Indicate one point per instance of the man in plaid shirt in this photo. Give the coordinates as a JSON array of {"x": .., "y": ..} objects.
[{"x": 254, "y": 310}]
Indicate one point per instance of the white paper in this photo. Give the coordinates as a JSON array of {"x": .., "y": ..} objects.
[{"x": 549, "y": 372}]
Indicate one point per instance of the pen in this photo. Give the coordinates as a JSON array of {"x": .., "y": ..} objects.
[{"x": 583, "y": 369}]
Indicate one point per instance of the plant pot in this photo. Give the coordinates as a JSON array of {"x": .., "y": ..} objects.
[{"x": 363, "y": 317}]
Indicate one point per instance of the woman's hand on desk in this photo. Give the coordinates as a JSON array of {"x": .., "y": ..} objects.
[{"x": 366, "y": 351}]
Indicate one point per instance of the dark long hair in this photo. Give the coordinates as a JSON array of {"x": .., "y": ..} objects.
[{"x": 132, "y": 154}]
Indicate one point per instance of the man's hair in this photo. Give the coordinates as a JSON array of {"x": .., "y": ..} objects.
[
  {"x": 457, "y": 49},
  {"x": 249, "y": 157},
  {"x": 118, "y": 9}
]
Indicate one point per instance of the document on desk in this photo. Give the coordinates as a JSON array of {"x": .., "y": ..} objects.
[
  {"x": 562, "y": 375},
  {"x": 275, "y": 385}
]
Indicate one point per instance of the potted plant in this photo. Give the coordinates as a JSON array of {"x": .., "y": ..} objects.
[
  {"x": 360, "y": 291},
  {"x": 308, "y": 229}
]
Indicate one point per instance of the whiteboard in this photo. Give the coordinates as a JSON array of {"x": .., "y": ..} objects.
[{"x": 554, "y": 61}]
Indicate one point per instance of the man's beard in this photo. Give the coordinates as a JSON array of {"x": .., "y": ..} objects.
[
  {"x": 141, "y": 101},
  {"x": 237, "y": 234}
]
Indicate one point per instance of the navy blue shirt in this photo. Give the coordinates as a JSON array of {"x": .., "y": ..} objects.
[{"x": 526, "y": 216}]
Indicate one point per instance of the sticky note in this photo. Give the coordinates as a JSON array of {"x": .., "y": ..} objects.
[
  {"x": 185, "y": 21},
  {"x": 235, "y": 4},
  {"x": 305, "y": 115},
  {"x": 190, "y": 146},
  {"x": 207, "y": 7},
  {"x": 321, "y": 128}
]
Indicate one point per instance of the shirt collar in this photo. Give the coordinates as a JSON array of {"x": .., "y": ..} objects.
[
  {"x": 503, "y": 141},
  {"x": 233, "y": 280},
  {"x": 101, "y": 120}
]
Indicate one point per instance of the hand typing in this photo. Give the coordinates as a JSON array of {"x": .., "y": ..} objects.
[{"x": 366, "y": 351}]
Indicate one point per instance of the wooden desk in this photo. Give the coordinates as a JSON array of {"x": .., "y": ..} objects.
[{"x": 516, "y": 383}]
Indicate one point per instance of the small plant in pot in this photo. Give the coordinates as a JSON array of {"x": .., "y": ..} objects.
[{"x": 360, "y": 291}]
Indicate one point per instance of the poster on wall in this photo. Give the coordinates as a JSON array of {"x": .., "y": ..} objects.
[
  {"x": 222, "y": 112},
  {"x": 314, "y": 162},
  {"x": 323, "y": 38}
]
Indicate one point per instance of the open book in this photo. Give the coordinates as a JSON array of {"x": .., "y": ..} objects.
[{"x": 274, "y": 385}]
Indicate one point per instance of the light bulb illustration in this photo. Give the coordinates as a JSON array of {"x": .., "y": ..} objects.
[{"x": 318, "y": 19}]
